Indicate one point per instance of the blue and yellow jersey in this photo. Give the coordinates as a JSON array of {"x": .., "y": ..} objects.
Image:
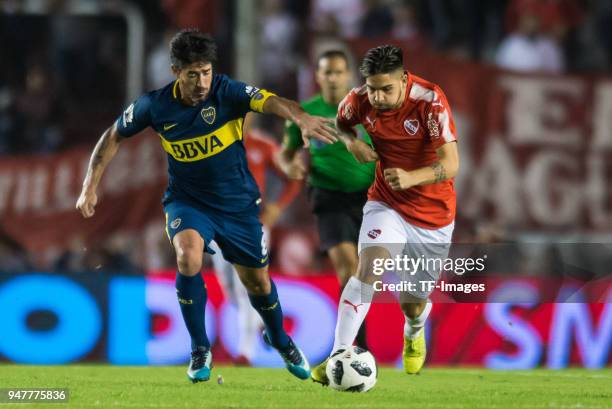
[{"x": 206, "y": 156}]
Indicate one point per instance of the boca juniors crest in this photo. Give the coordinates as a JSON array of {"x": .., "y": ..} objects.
[{"x": 208, "y": 115}]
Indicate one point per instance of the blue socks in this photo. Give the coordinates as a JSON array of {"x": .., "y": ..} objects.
[
  {"x": 268, "y": 306},
  {"x": 192, "y": 295}
]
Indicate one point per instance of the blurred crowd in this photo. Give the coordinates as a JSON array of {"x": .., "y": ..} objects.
[
  {"x": 63, "y": 76},
  {"x": 67, "y": 72},
  {"x": 46, "y": 93},
  {"x": 552, "y": 36}
]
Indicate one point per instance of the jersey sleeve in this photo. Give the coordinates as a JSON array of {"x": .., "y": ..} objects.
[
  {"x": 293, "y": 136},
  {"x": 348, "y": 114},
  {"x": 439, "y": 120},
  {"x": 246, "y": 97},
  {"x": 135, "y": 118}
]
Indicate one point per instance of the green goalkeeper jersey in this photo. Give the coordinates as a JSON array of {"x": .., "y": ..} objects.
[{"x": 332, "y": 167}]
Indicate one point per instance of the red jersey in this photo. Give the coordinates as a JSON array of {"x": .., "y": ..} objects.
[
  {"x": 408, "y": 138},
  {"x": 261, "y": 155}
]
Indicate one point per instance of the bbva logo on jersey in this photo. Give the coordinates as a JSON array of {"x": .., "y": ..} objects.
[
  {"x": 208, "y": 115},
  {"x": 196, "y": 149}
]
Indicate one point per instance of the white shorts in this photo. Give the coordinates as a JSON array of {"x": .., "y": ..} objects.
[{"x": 384, "y": 227}]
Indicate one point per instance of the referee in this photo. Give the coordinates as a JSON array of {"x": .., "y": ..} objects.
[{"x": 337, "y": 183}]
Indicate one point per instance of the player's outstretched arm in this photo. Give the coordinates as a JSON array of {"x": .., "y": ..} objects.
[
  {"x": 311, "y": 126},
  {"x": 102, "y": 154},
  {"x": 446, "y": 167}
]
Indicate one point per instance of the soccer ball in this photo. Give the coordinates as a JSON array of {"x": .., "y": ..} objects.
[{"x": 352, "y": 370}]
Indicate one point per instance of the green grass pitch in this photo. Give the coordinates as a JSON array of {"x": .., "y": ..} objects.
[{"x": 101, "y": 386}]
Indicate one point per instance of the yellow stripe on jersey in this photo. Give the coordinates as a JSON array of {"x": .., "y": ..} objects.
[
  {"x": 258, "y": 100},
  {"x": 204, "y": 146}
]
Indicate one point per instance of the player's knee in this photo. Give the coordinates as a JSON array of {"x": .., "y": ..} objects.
[
  {"x": 369, "y": 259},
  {"x": 188, "y": 259},
  {"x": 258, "y": 286},
  {"x": 258, "y": 289},
  {"x": 257, "y": 282},
  {"x": 364, "y": 273}
]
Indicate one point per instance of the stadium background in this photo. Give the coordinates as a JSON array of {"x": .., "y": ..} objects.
[{"x": 534, "y": 123}]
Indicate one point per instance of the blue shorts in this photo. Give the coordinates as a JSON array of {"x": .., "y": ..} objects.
[{"x": 239, "y": 235}]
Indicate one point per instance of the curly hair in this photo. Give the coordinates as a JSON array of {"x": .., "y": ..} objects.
[{"x": 190, "y": 45}]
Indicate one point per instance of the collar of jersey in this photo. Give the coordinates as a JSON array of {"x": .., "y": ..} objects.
[
  {"x": 175, "y": 95},
  {"x": 174, "y": 89}
]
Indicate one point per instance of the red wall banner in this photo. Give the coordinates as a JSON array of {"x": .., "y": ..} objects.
[{"x": 38, "y": 194}]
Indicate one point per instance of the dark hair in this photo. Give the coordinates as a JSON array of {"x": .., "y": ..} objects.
[
  {"x": 190, "y": 45},
  {"x": 382, "y": 60},
  {"x": 333, "y": 54}
]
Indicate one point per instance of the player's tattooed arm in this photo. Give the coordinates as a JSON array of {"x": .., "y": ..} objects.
[
  {"x": 105, "y": 149},
  {"x": 446, "y": 167},
  {"x": 439, "y": 172},
  {"x": 310, "y": 126}
]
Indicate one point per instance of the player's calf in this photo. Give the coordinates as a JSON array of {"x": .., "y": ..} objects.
[{"x": 356, "y": 298}]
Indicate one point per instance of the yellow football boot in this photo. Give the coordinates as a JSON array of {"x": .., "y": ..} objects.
[
  {"x": 413, "y": 355},
  {"x": 318, "y": 373}
]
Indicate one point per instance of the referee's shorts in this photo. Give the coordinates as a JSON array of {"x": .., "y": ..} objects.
[{"x": 338, "y": 214}]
